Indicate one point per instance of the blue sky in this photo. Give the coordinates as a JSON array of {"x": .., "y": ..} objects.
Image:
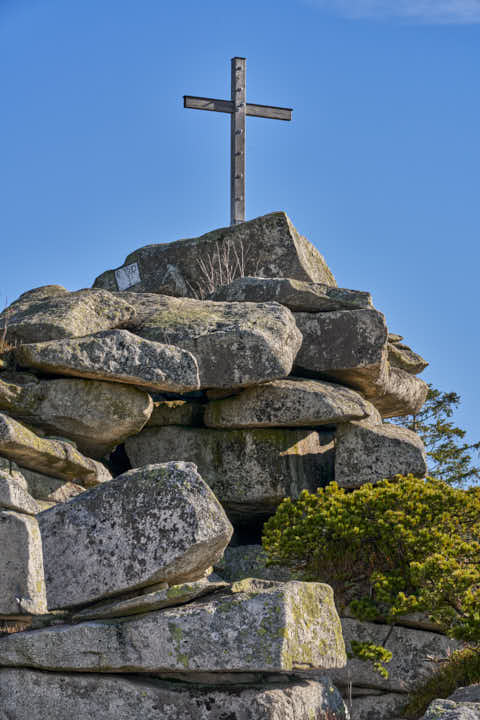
[{"x": 379, "y": 168}]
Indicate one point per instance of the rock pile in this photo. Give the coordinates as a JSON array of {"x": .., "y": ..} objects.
[{"x": 139, "y": 421}]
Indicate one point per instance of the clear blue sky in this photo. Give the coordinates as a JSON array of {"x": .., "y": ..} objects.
[{"x": 380, "y": 167}]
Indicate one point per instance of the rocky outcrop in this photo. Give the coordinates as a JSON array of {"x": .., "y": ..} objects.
[
  {"x": 451, "y": 710},
  {"x": 402, "y": 394},
  {"x": 403, "y": 357},
  {"x": 167, "y": 511},
  {"x": 185, "y": 268}
]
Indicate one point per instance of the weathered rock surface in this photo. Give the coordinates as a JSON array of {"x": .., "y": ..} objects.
[
  {"x": 115, "y": 355},
  {"x": 366, "y": 454},
  {"x": 97, "y": 415},
  {"x": 48, "y": 489},
  {"x": 267, "y": 246},
  {"x": 53, "y": 313},
  {"x": 22, "y": 586},
  {"x": 249, "y": 561},
  {"x": 297, "y": 295},
  {"x": 378, "y": 707},
  {"x": 57, "y": 458},
  {"x": 403, "y": 357},
  {"x": 177, "y": 412},
  {"x": 415, "y": 656},
  {"x": 159, "y": 523},
  {"x": 149, "y": 601},
  {"x": 402, "y": 394},
  {"x": 349, "y": 346},
  {"x": 250, "y": 471},
  {"x": 235, "y": 344},
  {"x": 451, "y": 710},
  {"x": 34, "y": 695},
  {"x": 471, "y": 694},
  {"x": 288, "y": 403},
  {"x": 14, "y": 496},
  {"x": 258, "y": 626}
]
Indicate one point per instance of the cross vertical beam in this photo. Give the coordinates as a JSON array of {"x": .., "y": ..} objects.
[{"x": 237, "y": 142}]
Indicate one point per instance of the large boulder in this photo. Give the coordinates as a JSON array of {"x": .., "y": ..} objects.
[
  {"x": 34, "y": 695},
  {"x": 97, "y": 415},
  {"x": 348, "y": 346},
  {"x": 369, "y": 454},
  {"x": 58, "y": 458},
  {"x": 451, "y": 710},
  {"x": 256, "y": 627},
  {"x": 250, "y": 471},
  {"x": 292, "y": 402},
  {"x": 235, "y": 344},
  {"x": 22, "y": 586},
  {"x": 159, "y": 523},
  {"x": 297, "y": 295},
  {"x": 118, "y": 356},
  {"x": 53, "y": 313},
  {"x": 268, "y": 246},
  {"x": 402, "y": 394}
]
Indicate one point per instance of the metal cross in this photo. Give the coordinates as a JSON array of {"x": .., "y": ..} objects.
[{"x": 238, "y": 109}]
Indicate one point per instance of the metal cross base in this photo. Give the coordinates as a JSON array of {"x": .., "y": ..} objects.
[{"x": 238, "y": 109}]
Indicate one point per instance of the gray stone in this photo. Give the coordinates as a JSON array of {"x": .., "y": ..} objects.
[
  {"x": 96, "y": 415},
  {"x": 149, "y": 601},
  {"x": 46, "y": 489},
  {"x": 115, "y": 355},
  {"x": 403, "y": 357},
  {"x": 349, "y": 346},
  {"x": 268, "y": 246},
  {"x": 159, "y": 523},
  {"x": 235, "y": 344},
  {"x": 451, "y": 710},
  {"x": 13, "y": 495},
  {"x": 34, "y": 695},
  {"x": 402, "y": 394},
  {"x": 394, "y": 338},
  {"x": 22, "y": 586},
  {"x": 52, "y": 314},
  {"x": 250, "y": 471},
  {"x": 471, "y": 694},
  {"x": 378, "y": 707},
  {"x": 366, "y": 454},
  {"x": 416, "y": 654},
  {"x": 57, "y": 458},
  {"x": 257, "y": 626},
  {"x": 249, "y": 561},
  {"x": 292, "y": 402},
  {"x": 297, "y": 295},
  {"x": 177, "y": 412}
]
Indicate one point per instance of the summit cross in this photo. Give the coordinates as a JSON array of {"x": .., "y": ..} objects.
[{"x": 238, "y": 109}]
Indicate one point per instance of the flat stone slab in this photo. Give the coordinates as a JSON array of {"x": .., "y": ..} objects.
[
  {"x": 34, "y": 695},
  {"x": 118, "y": 356},
  {"x": 257, "y": 626},
  {"x": 451, "y": 710},
  {"x": 96, "y": 415},
  {"x": 14, "y": 496},
  {"x": 366, "y": 454},
  {"x": 235, "y": 344},
  {"x": 49, "y": 489},
  {"x": 268, "y": 246},
  {"x": 292, "y": 402},
  {"x": 379, "y": 707},
  {"x": 250, "y": 561},
  {"x": 403, "y": 357},
  {"x": 297, "y": 295},
  {"x": 53, "y": 313},
  {"x": 22, "y": 586},
  {"x": 57, "y": 458},
  {"x": 348, "y": 346},
  {"x": 402, "y": 394},
  {"x": 159, "y": 523},
  {"x": 250, "y": 471}
]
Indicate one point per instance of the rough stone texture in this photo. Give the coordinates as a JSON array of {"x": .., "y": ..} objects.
[
  {"x": 471, "y": 694},
  {"x": 34, "y": 695},
  {"x": 149, "y": 601},
  {"x": 415, "y": 656},
  {"x": 249, "y": 561},
  {"x": 53, "y": 457},
  {"x": 48, "y": 489},
  {"x": 378, "y": 707},
  {"x": 96, "y": 415},
  {"x": 288, "y": 403},
  {"x": 14, "y": 496},
  {"x": 349, "y": 346},
  {"x": 115, "y": 355},
  {"x": 297, "y": 295},
  {"x": 250, "y": 471},
  {"x": 22, "y": 586},
  {"x": 159, "y": 523},
  {"x": 402, "y": 394},
  {"x": 269, "y": 246},
  {"x": 451, "y": 710},
  {"x": 52, "y": 313},
  {"x": 176, "y": 412},
  {"x": 403, "y": 357},
  {"x": 258, "y": 626},
  {"x": 366, "y": 454},
  {"x": 235, "y": 344}
]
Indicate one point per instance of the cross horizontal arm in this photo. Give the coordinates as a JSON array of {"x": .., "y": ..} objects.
[{"x": 226, "y": 106}]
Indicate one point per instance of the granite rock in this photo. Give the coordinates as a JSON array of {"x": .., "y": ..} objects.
[
  {"x": 405, "y": 358},
  {"x": 177, "y": 412},
  {"x": 387, "y": 706},
  {"x": 402, "y": 394},
  {"x": 451, "y": 710},
  {"x": 250, "y": 561},
  {"x": 14, "y": 496},
  {"x": 49, "y": 489}
]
